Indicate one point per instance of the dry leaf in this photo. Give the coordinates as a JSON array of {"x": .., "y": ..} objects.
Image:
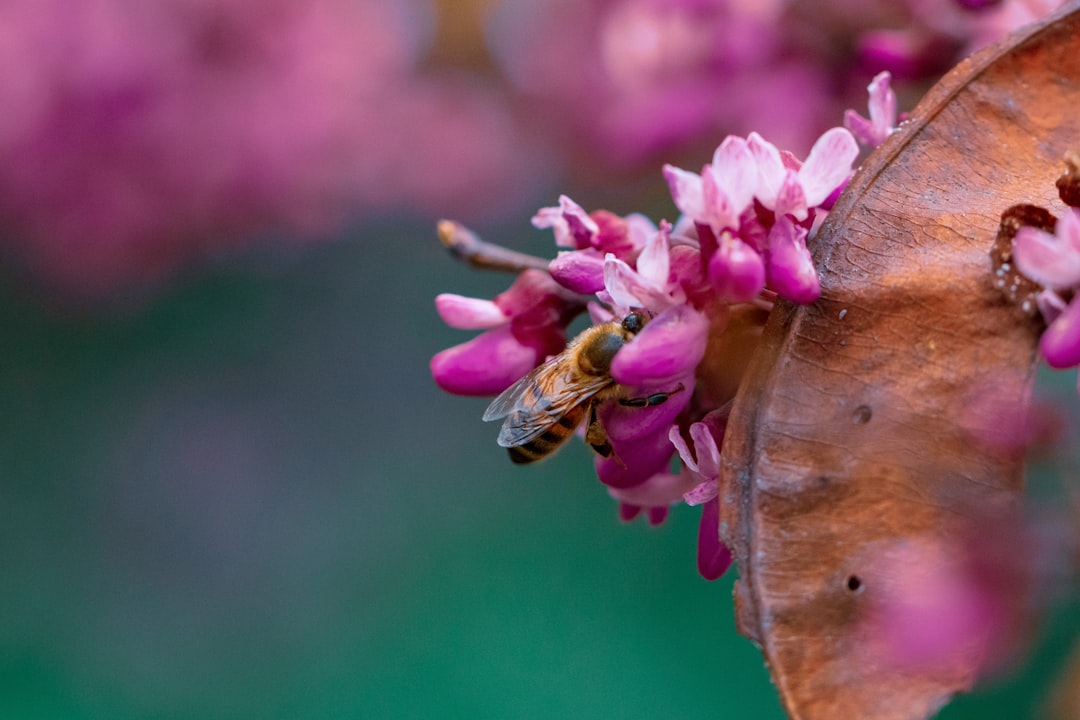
[{"x": 858, "y": 428}]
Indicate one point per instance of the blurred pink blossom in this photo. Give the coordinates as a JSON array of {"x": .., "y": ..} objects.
[
  {"x": 139, "y": 137},
  {"x": 627, "y": 81},
  {"x": 962, "y": 604}
]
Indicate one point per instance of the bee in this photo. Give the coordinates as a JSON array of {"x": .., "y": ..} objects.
[{"x": 544, "y": 408}]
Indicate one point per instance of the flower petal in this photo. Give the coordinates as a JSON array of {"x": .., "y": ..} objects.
[
  {"x": 1060, "y": 344},
  {"x": 485, "y": 365},
  {"x": 1052, "y": 260},
  {"x": 862, "y": 128},
  {"x": 654, "y": 262},
  {"x": 686, "y": 190},
  {"x": 790, "y": 270},
  {"x": 702, "y": 493},
  {"x": 639, "y": 440},
  {"x": 467, "y": 313},
  {"x": 579, "y": 270},
  {"x": 770, "y": 168},
  {"x": 623, "y": 284},
  {"x": 670, "y": 345},
  {"x": 882, "y": 105},
  {"x": 683, "y": 449},
  {"x": 828, "y": 164},
  {"x": 735, "y": 171},
  {"x": 531, "y": 290},
  {"x": 714, "y": 557},
  {"x": 736, "y": 270},
  {"x": 706, "y": 449},
  {"x": 791, "y": 199},
  {"x": 572, "y": 225},
  {"x": 1050, "y": 305},
  {"x": 660, "y": 490}
]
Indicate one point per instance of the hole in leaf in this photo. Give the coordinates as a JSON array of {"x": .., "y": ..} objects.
[{"x": 854, "y": 583}]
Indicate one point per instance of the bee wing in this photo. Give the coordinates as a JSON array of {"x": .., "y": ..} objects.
[
  {"x": 512, "y": 397},
  {"x": 537, "y": 401}
]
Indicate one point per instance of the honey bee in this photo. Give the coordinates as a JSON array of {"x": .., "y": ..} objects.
[{"x": 543, "y": 408}]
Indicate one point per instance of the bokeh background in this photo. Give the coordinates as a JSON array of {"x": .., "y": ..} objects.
[{"x": 232, "y": 490}]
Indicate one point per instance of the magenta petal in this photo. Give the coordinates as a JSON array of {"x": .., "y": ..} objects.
[
  {"x": 863, "y": 130},
  {"x": 532, "y": 288},
  {"x": 791, "y": 199},
  {"x": 1060, "y": 344},
  {"x": 686, "y": 190},
  {"x": 581, "y": 271},
  {"x": 770, "y": 168},
  {"x": 466, "y": 313},
  {"x": 735, "y": 170},
  {"x": 661, "y": 490},
  {"x": 637, "y": 461},
  {"x": 671, "y": 345},
  {"x": 714, "y": 557},
  {"x": 1050, "y": 260},
  {"x": 736, "y": 270},
  {"x": 882, "y": 106},
  {"x": 486, "y": 365},
  {"x": 627, "y": 425},
  {"x": 1050, "y": 305},
  {"x": 828, "y": 164},
  {"x": 639, "y": 438},
  {"x": 571, "y": 224},
  {"x": 790, "y": 269},
  {"x": 625, "y": 285}
]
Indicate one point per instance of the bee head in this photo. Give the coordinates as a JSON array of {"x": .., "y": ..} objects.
[{"x": 633, "y": 323}]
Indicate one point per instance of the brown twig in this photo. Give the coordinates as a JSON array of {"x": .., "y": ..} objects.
[{"x": 464, "y": 245}]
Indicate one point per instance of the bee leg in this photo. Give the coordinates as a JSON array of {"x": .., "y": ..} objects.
[
  {"x": 595, "y": 434},
  {"x": 650, "y": 400},
  {"x": 597, "y": 437}
]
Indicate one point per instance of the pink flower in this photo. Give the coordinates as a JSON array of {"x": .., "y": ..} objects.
[
  {"x": 735, "y": 268},
  {"x": 1053, "y": 260},
  {"x": 882, "y": 106},
  {"x": 648, "y": 286},
  {"x": 624, "y": 80},
  {"x": 139, "y": 138},
  {"x": 592, "y": 236},
  {"x": 702, "y": 463},
  {"x": 752, "y": 207},
  {"x": 662, "y": 358},
  {"x": 524, "y": 325},
  {"x": 656, "y": 495},
  {"x": 667, "y": 350},
  {"x": 962, "y": 604},
  {"x": 790, "y": 270},
  {"x": 785, "y": 189},
  {"x": 724, "y": 190}
]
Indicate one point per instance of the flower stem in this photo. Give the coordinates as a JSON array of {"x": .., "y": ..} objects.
[{"x": 466, "y": 246}]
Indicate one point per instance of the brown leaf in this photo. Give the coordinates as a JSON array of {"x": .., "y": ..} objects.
[{"x": 859, "y": 425}]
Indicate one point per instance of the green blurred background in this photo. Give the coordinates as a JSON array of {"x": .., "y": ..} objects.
[{"x": 247, "y": 499}]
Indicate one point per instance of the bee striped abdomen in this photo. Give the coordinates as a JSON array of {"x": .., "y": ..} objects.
[{"x": 548, "y": 441}]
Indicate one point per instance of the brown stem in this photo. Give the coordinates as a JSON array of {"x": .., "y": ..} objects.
[{"x": 466, "y": 246}]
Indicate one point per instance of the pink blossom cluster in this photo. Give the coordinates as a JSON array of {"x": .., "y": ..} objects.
[
  {"x": 1053, "y": 261},
  {"x": 739, "y": 243},
  {"x": 966, "y": 604},
  {"x": 642, "y": 78},
  {"x": 137, "y": 137}
]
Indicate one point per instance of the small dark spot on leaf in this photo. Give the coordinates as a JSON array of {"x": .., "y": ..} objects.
[
  {"x": 854, "y": 584},
  {"x": 862, "y": 415}
]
